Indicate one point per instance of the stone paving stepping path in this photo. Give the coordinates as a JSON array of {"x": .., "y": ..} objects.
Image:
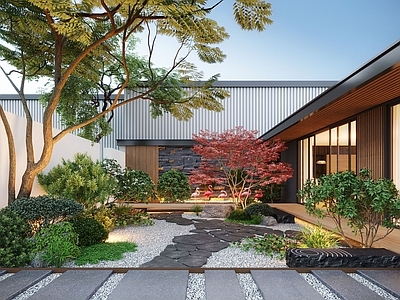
[{"x": 210, "y": 235}]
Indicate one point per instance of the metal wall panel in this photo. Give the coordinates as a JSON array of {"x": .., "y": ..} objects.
[{"x": 253, "y": 105}]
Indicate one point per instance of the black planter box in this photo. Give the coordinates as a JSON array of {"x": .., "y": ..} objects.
[{"x": 342, "y": 258}]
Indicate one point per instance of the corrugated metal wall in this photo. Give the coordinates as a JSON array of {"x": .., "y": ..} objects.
[{"x": 253, "y": 105}]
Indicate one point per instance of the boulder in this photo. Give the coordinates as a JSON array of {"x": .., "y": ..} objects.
[
  {"x": 269, "y": 221},
  {"x": 216, "y": 211}
]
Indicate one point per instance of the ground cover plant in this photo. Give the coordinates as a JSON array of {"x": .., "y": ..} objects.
[
  {"x": 104, "y": 251},
  {"x": 363, "y": 203},
  {"x": 239, "y": 216}
]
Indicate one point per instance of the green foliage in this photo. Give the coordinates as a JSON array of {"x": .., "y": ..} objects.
[
  {"x": 262, "y": 209},
  {"x": 173, "y": 186},
  {"x": 15, "y": 245},
  {"x": 82, "y": 180},
  {"x": 270, "y": 244},
  {"x": 104, "y": 216},
  {"x": 45, "y": 210},
  {"x": 239, "y": 216},
  {"x": 89, "y": 231},
  {"x": 132, "y": 185},
  {"x": 317, "y": 237},
  {"x": 56, "y": 244},
  {"x": 197, "y": 209},
  {"x": 271, "y": 192},
  {"x": 123, "y": 215},
  {"x": 105, "y": 251},
  {"x": 364, "y": 203}
]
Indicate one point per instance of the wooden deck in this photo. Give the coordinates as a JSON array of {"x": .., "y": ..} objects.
[{"x": 391, "y": 242}]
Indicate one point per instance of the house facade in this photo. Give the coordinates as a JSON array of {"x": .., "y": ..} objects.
[{"x": 354, "y": 124}]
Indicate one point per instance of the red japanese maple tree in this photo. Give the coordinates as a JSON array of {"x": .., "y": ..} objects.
[{"x": 238, "y": 160}]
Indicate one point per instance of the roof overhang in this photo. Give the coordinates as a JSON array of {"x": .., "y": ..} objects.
[{"x": 375, "y": 83}]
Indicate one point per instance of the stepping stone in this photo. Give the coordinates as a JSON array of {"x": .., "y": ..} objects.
[
  {"x": 229, "y": 237},
  {"x": 152, "y": 284},
  {"x": 184, "y": 247},
  {"x": 175, "y": 254},
  {"x": 162, "y": 262},
  {"x": 213, "y": 247},
  {"x": 170, "y": 248},
  {"x": 230, "y": 289},
  {"x": 388, "y": 280},
  {"x": 273, "y": 284},
  {"x": 20, "y": 282},
  {"x": 84, "y": 284},
  {"x": 2, "y": 272},
  {"x": 195, "y": 239},
  {"x": 193, "y": 261},
  {"x": 198, "y": 231},
  {"x": 203, "y": 253},
  {"x": 343, "y": 285}
]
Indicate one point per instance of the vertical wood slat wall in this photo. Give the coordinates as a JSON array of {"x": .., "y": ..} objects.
[
  {"x": 143, "y": 158},
  {"x": 370, "y": 141}
]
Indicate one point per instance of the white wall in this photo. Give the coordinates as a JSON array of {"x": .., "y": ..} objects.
[{"x": 66, "y": 148}]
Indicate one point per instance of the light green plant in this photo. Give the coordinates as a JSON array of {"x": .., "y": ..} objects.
[
  {"x": 105, "y": 251},
  {"x": 318, "y": 237},
  {"x": 82, "y": 180},
  {"x": 56, "y": 243},
  {"x": 197, "y": 209},
  {"x": 123, "y": 215},
  {"x": 173, "y": 186}
]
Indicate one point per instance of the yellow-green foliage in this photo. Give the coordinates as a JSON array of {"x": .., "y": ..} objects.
[{"x": 318, "y": 237}]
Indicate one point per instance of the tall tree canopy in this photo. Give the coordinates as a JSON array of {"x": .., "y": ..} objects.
[{"x": 65, "y": 39}]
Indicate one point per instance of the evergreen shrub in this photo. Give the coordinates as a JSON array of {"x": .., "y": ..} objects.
[
  {"x": 89, "y": 231},
  {"x": 173, "y": 186}
]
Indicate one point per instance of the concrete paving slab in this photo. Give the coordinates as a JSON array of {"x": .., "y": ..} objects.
[
  {"x": 283, "y": 284},
  {"x": 152, "y": 284},
  {"x": 222, "y": 284},
  {"x": 388, "y": 280},
  {"x": 343, "y": 285},
  {"x": 2, "y": 272},
  {"x": 73, "y": 285},
  {"x": 20, "y": 282}
]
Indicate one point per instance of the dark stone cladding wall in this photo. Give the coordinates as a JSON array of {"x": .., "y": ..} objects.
[{"x": 177, "y": 158}]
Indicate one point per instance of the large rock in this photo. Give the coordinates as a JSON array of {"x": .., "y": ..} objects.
[
  {"x": 216, "y": 211},
  {"x": 269, "y": 221}
]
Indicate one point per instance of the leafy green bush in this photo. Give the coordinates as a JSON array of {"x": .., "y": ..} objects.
[
  {"x": 132, "y": 185},
  {"x": 270, "y": 244},
  {"x": 105, "y": 251},
  {"x": 124, "y": 215},
  {"x": 362, "y": 202},
  {"x": 173, "y": 186},
  {"x": 82, "y": 180},
  {"x": 104, "y": 216},
  {"x": 56, "y": 243},
  {"x": 317, "y": 237},
  {"x": 197, "y": 209},
  {"x": 15, "y": 245},
  {"x": 89, "y": 231},
  {"x": 45, "y": 210},
  {"x": 239, "y": 216},
  {"x": 259, "y": 209}
]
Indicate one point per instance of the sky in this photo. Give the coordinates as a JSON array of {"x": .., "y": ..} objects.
[{"x": 308, "y": 40}]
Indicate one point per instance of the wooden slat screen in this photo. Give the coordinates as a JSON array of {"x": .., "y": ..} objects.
[{"x": 143, "y": 158}]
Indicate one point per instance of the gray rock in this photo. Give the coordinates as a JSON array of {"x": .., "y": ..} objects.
[
  {"x": 269, "y": 221},
  {"x": 216, "y": 211}
]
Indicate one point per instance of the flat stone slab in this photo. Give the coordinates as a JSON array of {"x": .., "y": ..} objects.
[
  {"x": 84, "y": 284},
  {"x": 213, "y": 247},
  {"x": 388, "y": 280},
  {"x": 152, "y": 284},
  {"x": 343, "y": 258},
  {"x": 343, "y": 285},
  {"x": 20, "y": 282},
  {"x": 195, "y": 239},
  {"x": 230, "y": 289},
  {"x": 193, "y": 261},
  {"x": 283, "y": 284},
  {"x": 162, "y": 262}
]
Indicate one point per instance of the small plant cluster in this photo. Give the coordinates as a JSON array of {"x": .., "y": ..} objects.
[
  {"x": 318, "y": 237},
  {"x": 123, "y": 215},
  {"x": 270, "y": 244},
  {"x": 252, "y": 214}
]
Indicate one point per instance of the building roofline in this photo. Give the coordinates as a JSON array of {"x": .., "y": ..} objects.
[
  {"x": 377, "y": 66},
  {"x": 162, "y": 143}
]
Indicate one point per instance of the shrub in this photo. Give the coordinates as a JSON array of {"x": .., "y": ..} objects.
[
  {"x": 45, "y": 210},
  {"x": 89, "y": 231},
  {"x": 173, "y": 186},
  {"x": 239, "y": 216},
  {"x": 15, "y": 245},
  {"x": 317, "y": 237},
  {"x": 104, "y": 216},
  {"x": 82, "y": 180},
  {"x": 197, "y": 209},
  {"x": 131, "y": 184},
  {"x": 124, "y": 215},
  {"x": 259, "y": 209},
  {"x": 105, "y": 251},
  {"x": 56, "y": 243}
]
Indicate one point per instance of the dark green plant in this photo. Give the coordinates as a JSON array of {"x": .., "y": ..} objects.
[
  {"x": 318, "y": 237},
  {"x": 271, "y": 192},
  {"x": 104, "y": 251},
  {"x": 89, "y": 231},
  {"x": 173, "y": 186},
  {"x": 363, "y": 203},
  {"x": 15, "y": 245},
  {"x": 270, "y": 244},
  {"x": 239, "y": 216},
  {"x": 124, "y": 215},
  {"x": 197, "y": 209},
  {"x": 82, "y": 180},
  {"x": 262, "y": 209},
  {"x": 56, "y": 243},
  {"x": 45, "y": 210}
]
